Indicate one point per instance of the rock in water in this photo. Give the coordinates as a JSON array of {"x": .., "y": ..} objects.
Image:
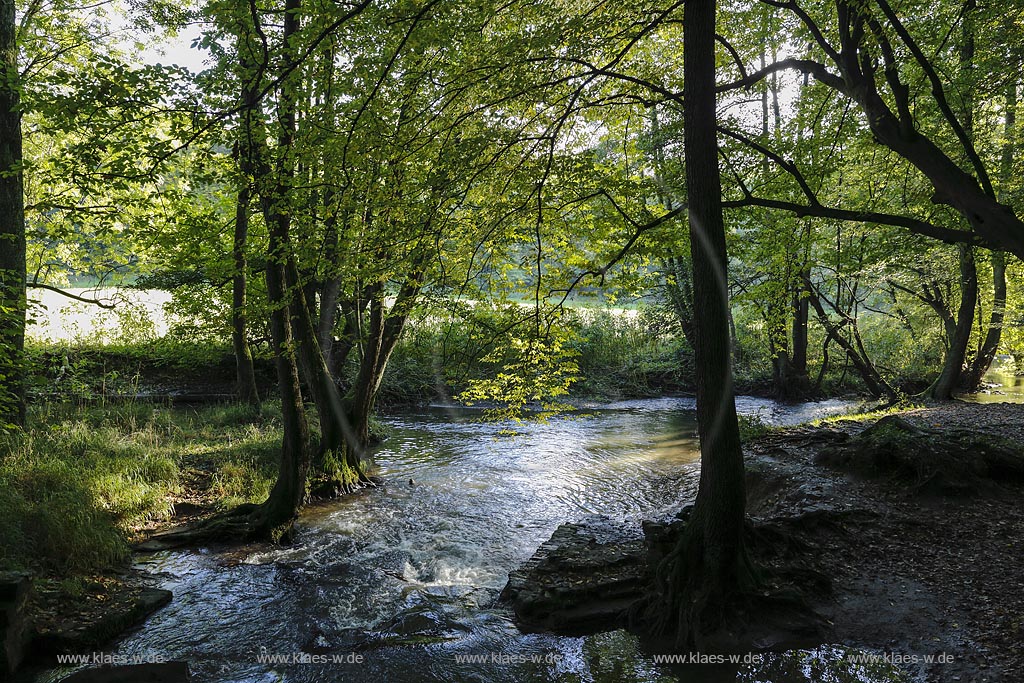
[
  {"x": 581, "y": 580},
  {"x": 121, "y": 612},
  {"x": 15, "y": 630}
]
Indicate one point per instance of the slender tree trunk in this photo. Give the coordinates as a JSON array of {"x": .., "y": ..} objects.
[
  {"x": 385, "y": 331},
  {"x": 676, "y": 268},
  {"x": 801, "y": 311},
  {"x": 705, "y": 570},
  {"x": 953, "y": 365},
  {"x": 330, "y": 290},
  {"x": 876, "y": 385},
  {"x": 12, "y": 230},
  {"x": 776, "y": 317},
  {"x": 678, "y": 286},
  {"x": 990, "y": 346},
  {"x": 244, "y": 371},
  {"x": 289, "y": 491}
]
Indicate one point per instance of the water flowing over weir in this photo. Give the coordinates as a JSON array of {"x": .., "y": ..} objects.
[{"x": 398, "y": 584}]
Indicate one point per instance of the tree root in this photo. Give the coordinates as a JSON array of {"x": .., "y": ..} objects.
[
  {"x": 946, "y": 462},
  {"x": 243, "y": 524},
  {"x": 768, "y": 603}
]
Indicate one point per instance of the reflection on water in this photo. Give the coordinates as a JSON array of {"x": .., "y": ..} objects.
[
  {"x": 1003, "y": 385},
  {"x": 399, "y": 584}
]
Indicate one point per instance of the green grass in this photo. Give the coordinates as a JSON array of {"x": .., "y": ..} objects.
[
  {"x": 871, "y": 414},
  {"x": 753, "y": 427},
  {"x": 77, "y": 482}
]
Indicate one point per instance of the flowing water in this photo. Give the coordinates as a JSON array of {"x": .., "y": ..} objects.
[
  {"x": 399, "y": 583},
  {"x": 1003, "y": 385}
]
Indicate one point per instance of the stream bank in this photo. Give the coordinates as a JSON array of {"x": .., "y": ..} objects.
[
  {"x": 914, "y": 524},
  {"x": 408, "y": 576}
]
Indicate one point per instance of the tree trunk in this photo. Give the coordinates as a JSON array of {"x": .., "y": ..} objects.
[
  {"x": 953, "y": 365},
  {"x": 678, "y": 286},
  {"x": 13, "y": 301},
  {"x": 801, "y": 315},
  {"x": 705, "y": 570},
  {"x": 244, "y": 372},
  {"x": 289, "y": 492},
  {"x": 385, "y": 331},
  {"x": 330, "y": 289},
  {"x": 339, "y": 459},
  {"x": 990, "y": 346},
  {"x": 876, "y": 385}
]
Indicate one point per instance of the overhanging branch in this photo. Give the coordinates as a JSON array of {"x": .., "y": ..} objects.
[{"x": 924, "y": 228}]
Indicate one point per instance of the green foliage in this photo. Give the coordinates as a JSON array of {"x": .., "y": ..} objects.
[
  {"x": 630, "y": 353},
  {"x": 86, "y": 371},
  {"x": 70, "y": 490},
  {"x": 753, "y": 427},
  {"x": 529, "y": 371}
]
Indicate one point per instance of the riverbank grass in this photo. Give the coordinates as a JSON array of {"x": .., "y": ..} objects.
[{"x": 81, "y": 482}]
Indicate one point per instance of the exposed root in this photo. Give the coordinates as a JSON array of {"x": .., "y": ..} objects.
[
  {"x": 764, "y": 601},
  {"x": 956, "y": 462},
  {"x": 243, "y": 524},
  {"x": 338, "y": 480}
]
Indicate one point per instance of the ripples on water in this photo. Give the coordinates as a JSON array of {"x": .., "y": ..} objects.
[{"x": 406, "y": 576}]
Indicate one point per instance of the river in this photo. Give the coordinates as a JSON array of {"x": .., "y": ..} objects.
[{"x": 398, "y": 584}]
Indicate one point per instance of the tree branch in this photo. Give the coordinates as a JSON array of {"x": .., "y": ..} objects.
[
  {"x": 807, "y": 66},
  {"x": 947, "y": 235},
  {"x": 98, "y": 302}
]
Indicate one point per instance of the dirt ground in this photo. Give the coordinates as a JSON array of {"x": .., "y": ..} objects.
[{"x": 913, "y": 572}]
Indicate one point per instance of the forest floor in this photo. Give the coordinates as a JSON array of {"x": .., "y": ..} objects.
[{"x": 915, "y": 570}]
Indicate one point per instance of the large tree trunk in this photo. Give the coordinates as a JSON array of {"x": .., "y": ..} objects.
[
  {"x": 244, "y": 371},
  {"x": 704, "y": 571},
  {"x": 953, "y": 186},
  {"x": 289, "y": 492},
  {"x": 12, "y": 230},
  {"x": 339, "y": 460}
]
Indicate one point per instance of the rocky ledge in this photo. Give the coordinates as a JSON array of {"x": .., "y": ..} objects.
[
  {"x": 15, "y": 627},
  {"x": 581, "y": 580}
]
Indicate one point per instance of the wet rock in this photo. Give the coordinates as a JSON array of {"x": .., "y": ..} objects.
[
  {"x": 121, "y": 613},
  {"x": 167, "y": 672},
  {"x": 15, "y": 629},
  {"x": 581, "y": 580}
]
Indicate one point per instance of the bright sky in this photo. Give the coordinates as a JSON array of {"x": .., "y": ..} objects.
[{"x": 179, "y": 51}]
